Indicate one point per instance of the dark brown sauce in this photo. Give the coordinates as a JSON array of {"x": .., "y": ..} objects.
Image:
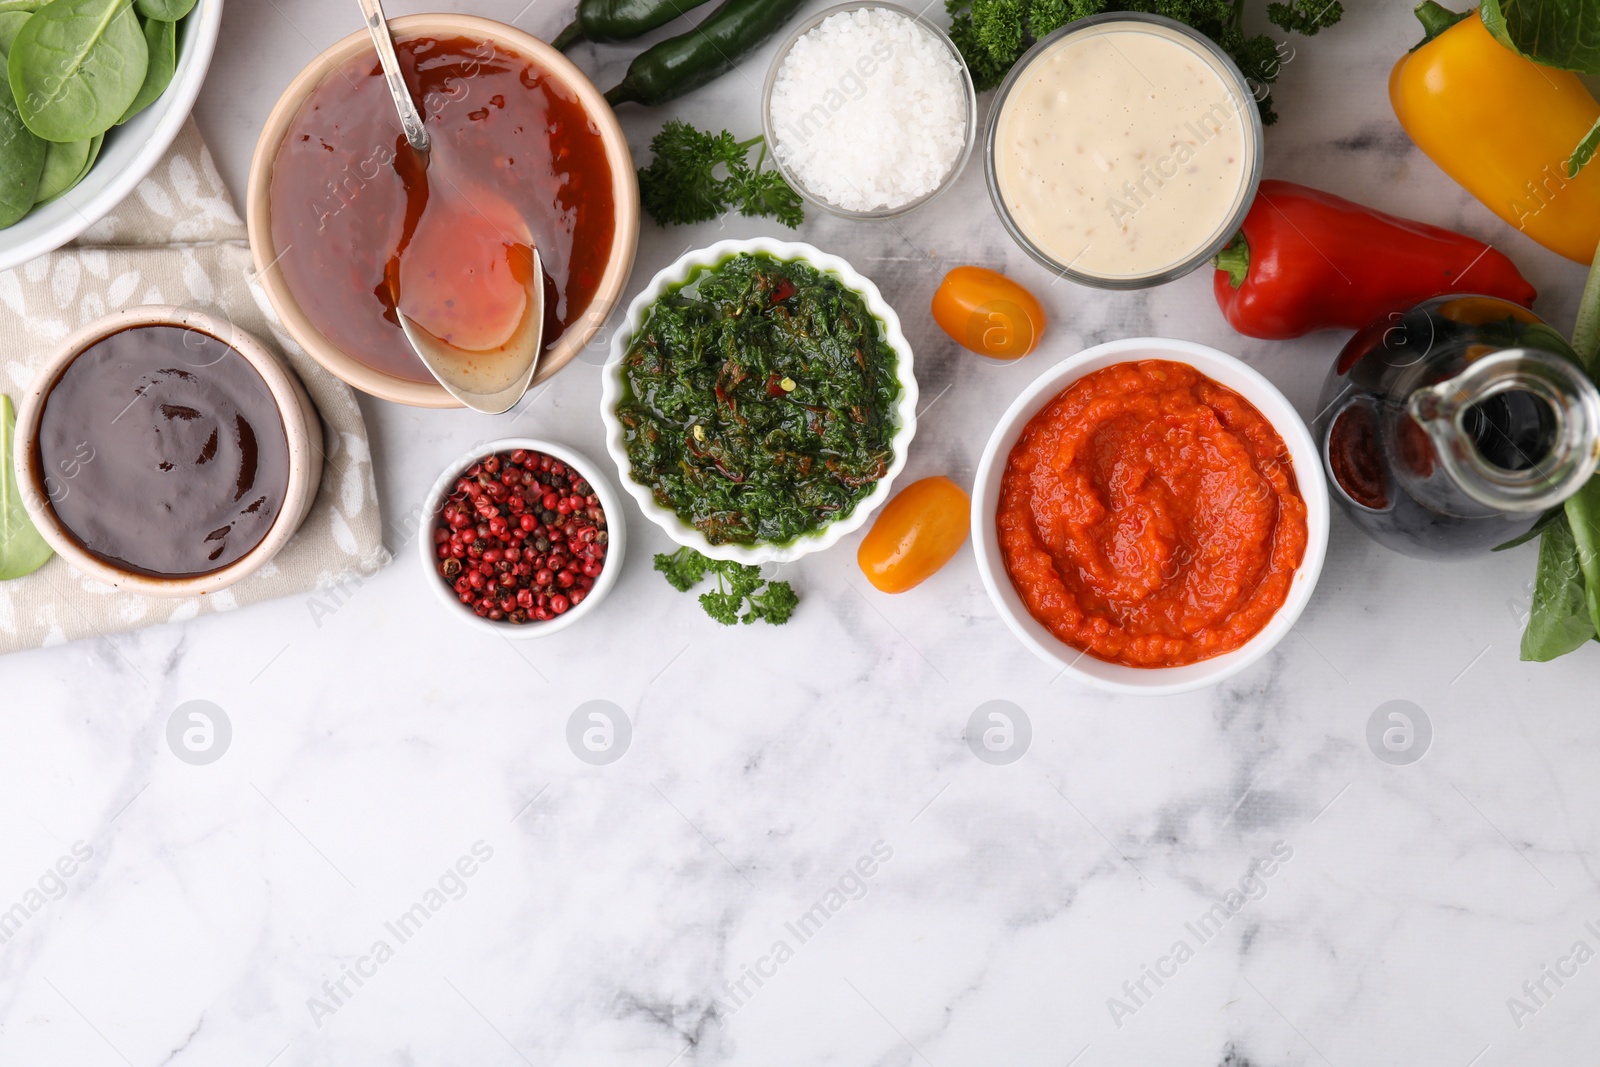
[
  {"x": 163, "y": 452},
  {"x": 348, "y": 192}
]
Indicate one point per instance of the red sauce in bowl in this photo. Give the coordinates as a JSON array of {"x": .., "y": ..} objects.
[
  {"x": 508, "y": 139},
  {"x": 1150, "y": 516}
]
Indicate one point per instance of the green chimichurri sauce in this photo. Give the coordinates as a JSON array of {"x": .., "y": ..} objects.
[{"x": 759, "y": 401}]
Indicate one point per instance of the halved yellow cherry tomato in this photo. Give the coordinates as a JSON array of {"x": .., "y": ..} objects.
[
  {"x": 916, "y": 533},
  {"x": 989, "y": 313}
]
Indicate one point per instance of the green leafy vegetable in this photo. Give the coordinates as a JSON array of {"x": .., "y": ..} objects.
[
  {"x": 1583, "y": 508},
  {"x": 1559, "y": 620},
  {"x": 161, "y": 38},
  {"x": 11, "y": 23},
  {"x": 1557, "y": 33},
  {"x": 1566, "y": 596},
  {"x": 739, "y": 588},
  {"x": 22, "y": 550},
  {"x": 94, "y": 153},
  {"x": 681, "y": 185},
  {"x": 1583, "y": 519},
  {"x": 684, "y": 569},
  {"x": 1584, "y": 152},
  {"x": 1553, "y": 515},
  {"x": 1302, "y": 16},
  {"x": 22, "y": 158},
  {"x": 75, "y": 59},
  {"x": 88, "y": 165},
  {"x": 77, "y": 66},
  {"x": 165, "y": 10},
  {"x": 63, "y": 163},
  {"x": 993, "y": 34},
  {"x": 775, "y": 603}
]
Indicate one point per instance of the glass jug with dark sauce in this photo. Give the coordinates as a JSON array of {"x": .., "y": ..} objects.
[{"x": 1450, "y": 428}]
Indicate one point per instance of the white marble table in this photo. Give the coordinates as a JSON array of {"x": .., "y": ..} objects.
[{"x": 376, "y": 743}]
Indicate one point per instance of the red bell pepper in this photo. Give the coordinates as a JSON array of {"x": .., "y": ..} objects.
[{"x": 1308, "y": 260}]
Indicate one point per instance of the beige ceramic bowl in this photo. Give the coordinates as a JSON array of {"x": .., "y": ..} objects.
[
  {"x": 301, "y": 424},
  {"x": 625, "y": 189}
]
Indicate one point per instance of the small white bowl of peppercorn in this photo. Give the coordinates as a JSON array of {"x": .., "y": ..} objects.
[{"x": 524, "y": 537}]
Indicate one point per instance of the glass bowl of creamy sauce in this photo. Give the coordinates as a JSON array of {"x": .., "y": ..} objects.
[{"x": 1124, "y": 150}]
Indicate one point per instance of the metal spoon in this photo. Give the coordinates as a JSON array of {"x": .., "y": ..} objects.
[
  {"x": 410, "y": 117},
  {"x": 488, "y": 380}
]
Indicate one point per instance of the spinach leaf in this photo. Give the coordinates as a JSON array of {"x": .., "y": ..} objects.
[
  {"x": 63, "y": 168},
  {"x": 162, "y": 40},
  {"x": 21, "y": 161},
  {"x": 11, "y": 23},
  {"x": 77, "y": 66},
  {"x": 1546, "y": 519},
  {"x": 1583, "y": 519},
  {"x": 88, "y": 165},
  {"x": 22, "y": 550},
  {"x": 1584, "y": 152},
  {"x": 1583, "y": 507},
  {"x": 26, "y": 7},
  {"x": 95, "y": 144},
  {"x": 165, "y": 10},
  {"x": 1559, "y": 620},
  {"x": 1557, "y": 33}
]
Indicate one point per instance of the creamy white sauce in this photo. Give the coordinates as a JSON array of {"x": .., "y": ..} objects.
[{"x": 1121, "y": 151}]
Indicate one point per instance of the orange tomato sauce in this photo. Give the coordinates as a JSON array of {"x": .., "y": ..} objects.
[{"x": 1150, "y": 516}]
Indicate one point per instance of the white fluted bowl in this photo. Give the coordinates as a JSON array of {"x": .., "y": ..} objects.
[{"x": 905, "y": 412}]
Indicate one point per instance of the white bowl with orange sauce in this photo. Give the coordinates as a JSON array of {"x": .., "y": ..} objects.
[{"x": 1082, "y": 666}]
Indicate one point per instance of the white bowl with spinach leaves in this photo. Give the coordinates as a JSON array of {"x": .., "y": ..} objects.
[
  {"x": 755, "y": 444},
  {"x": 94, "y": 94}
]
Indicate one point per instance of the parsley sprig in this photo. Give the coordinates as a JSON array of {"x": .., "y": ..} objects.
[
  {"x": 681, "y": 185},
  {"x": 994, "y": 34},
  {"x": 737, "y": 585}
]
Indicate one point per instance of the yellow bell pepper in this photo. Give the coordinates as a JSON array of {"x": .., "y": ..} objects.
[{"x": 1504, "y": 127}]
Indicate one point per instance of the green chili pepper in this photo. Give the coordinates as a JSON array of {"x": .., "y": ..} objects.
[
  {"x": 679, "y": 64},
  {"x": 621, "y": 20}
]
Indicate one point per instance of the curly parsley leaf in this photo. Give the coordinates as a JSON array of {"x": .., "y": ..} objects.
[
  {"x": 775, "y": 604},
  {"x": 696, "y": 176},
  {"x": 724, "y": 607},
  {"x": 737, "y": 586},
  {"x": 763, "y": 192},
  {"x": 993, "y": 34},
  {"x": 1305, "y": 16},
  {"x": 684, "y": 569}
]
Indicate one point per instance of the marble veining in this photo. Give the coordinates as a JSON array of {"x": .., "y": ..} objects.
[{"x": 252, "y": 910}]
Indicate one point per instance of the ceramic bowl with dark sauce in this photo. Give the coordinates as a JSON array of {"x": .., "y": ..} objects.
[{"x": 166, "y": 452}]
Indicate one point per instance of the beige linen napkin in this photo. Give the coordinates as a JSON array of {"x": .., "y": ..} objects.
[{"x": 178, "y": 240}]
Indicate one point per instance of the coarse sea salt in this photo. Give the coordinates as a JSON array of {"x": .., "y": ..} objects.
[{"x": 869, "y": 110}]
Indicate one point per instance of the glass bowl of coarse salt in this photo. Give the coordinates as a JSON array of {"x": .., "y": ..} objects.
[{"x": 869, "y": 111}]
